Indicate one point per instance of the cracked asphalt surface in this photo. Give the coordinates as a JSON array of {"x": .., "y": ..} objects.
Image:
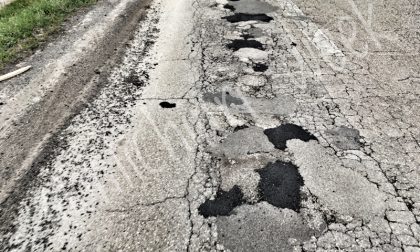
[{"x": 199, "y": 125}]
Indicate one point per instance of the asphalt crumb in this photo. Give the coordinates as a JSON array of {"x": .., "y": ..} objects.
[
  {"x": 134, "y": 80},
  {"x": 260, "y": 67},
  {"x": 237, "y": 44},
  {"x": 279, "y": 135},
  {"x": 223, "y": 204},
  {"x": 241, "y": 17},
  {"x": 166, "y": 104},
  {"x": 280, "y": 185}
]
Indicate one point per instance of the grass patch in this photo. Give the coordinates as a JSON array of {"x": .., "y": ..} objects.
[{"x": 24, "y": 24}]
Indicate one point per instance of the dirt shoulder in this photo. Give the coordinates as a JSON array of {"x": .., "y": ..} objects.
[{"x": 66, "y": 75}]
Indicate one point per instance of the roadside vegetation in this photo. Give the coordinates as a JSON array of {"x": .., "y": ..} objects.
[{"x": 24, "y": 24}]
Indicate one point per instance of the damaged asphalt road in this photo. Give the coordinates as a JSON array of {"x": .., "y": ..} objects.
[{"x": 197, "y": 125}]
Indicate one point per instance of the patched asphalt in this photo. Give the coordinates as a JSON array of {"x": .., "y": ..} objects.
[
  {"x": 281, "y": 134},
  {"x": 223, "y": 204},
  {"x": 280, "y": 185}
]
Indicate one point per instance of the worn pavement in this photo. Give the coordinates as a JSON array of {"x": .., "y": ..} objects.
[{"x": 247, "y": 125}]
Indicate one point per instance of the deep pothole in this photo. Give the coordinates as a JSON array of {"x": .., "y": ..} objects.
[
  {"x": 279, "y": 135},
  {"x": 237, "y": 44},
  {"x": 241, "y": 17},
  {"x": 259, "y": 67},
  {"x": 166, "y": 104}
]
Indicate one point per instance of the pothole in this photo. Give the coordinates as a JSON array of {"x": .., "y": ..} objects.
[
  {"x": 166, "y": 104},
  {"x": 252, "y": 6},
  {"x": 279, "y": 136},
  {"x": 237, "y": 44},
  {"x": 280, "y": 184},
  {"x": 259, "y": 67},
  {"x": 223, "y": 204},
  {"x": 241, "y": 17}
]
